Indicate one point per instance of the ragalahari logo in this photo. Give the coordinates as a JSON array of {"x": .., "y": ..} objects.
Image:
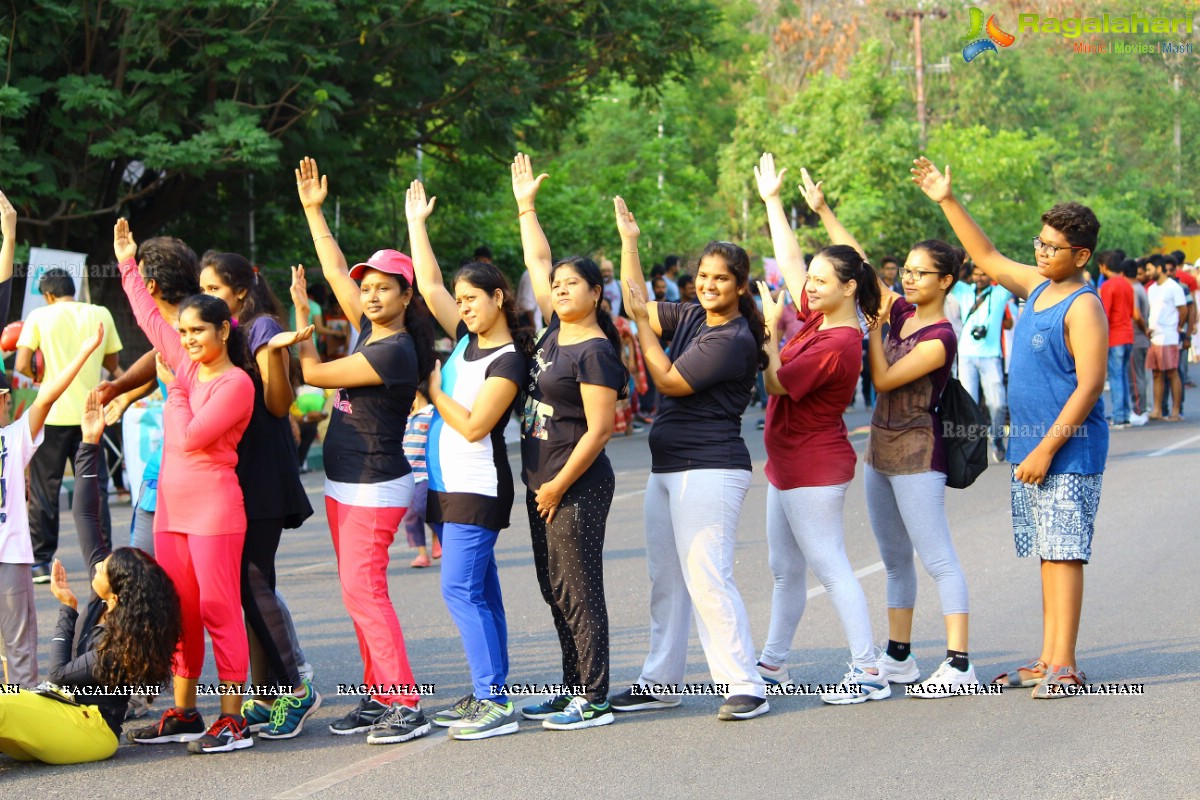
[{"x": 977, "y": 43}]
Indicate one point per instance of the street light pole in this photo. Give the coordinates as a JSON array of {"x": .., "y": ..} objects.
[{"x": 917, "y": 14}]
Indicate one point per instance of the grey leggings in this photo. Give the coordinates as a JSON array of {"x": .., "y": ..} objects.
[
  {"x": 804, "y": 529},
  {"x": 907, "y": 512}
]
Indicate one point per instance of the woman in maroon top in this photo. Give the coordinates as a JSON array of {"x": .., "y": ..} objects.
[{"x": 810, "y": 461}]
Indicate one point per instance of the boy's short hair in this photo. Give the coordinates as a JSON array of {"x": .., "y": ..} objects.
[
  {"x": 172, "y": 265},
  {"x": 58, "y": 282},
  {"x": 1169, "y": 260},
  {"x": 1129, "y": 268},
  {"x": 1075, "y": 222}
]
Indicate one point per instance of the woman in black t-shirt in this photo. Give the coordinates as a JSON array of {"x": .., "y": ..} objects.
[
  {"x": 570, "y": 404},
  {"x": 700, "y": 472},
  {"x": 368, "y": 481}
]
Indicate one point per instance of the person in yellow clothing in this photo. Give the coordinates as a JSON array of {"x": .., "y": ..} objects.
[
  {"x": 59, "y": 329},
  {"x": 130, "y": 629}
]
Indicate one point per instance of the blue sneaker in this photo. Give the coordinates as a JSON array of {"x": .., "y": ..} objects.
[
  {"x": 580, "y": 714},
  {"x": 288, "y": 713},
  {"x": 257, "y": 715},
  {"x": 547, "y": 708}
]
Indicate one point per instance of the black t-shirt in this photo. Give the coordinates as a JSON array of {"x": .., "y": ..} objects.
[
  {"x": 365, "y": 441},
  {"x": 268, "y": 468},
  {"x": 703, "y": 430},
  {"x": 553, "y": 420},
  {"x": 461, "y": 473}
]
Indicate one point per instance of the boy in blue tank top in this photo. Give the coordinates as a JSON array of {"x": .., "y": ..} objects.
[{"x": 1059, "y": 438}]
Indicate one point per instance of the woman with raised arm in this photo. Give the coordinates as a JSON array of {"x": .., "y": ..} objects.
[
  {"x": 368, "y": 481},
  {"x": 200, "y": 523},
  {"x": 810, "y": 461},
  {"x": 700, "y": 472},
  {"x": 130, "y": 628},
  {"x": 574, "y": 380},
  {"x": 905, "y": 471},
  {"x": 269, "y": 474},
  {"x": 470, "y": 482}
]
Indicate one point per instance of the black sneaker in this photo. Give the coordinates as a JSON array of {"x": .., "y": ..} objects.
[
  {"x": 399, "y": 724},
  {"x": 41, "y": 572},
  {"x": 743, "y": 706},
  {"x": 227, "y": 734},
  {"x": 173, "y": 726},
  {"x": 629, "y": 700},
  {"x": 361, "y": 719}
]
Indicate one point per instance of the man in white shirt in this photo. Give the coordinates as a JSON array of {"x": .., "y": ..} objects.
[{"x": 1168, "y": 317}]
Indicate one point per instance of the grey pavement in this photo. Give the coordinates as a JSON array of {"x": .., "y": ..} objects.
[{"x": 1139, "y": 627}]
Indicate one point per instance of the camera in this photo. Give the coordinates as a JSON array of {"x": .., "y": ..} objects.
[{"x": 979, "y": 332}]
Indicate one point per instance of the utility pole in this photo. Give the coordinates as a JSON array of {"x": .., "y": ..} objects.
[
  {"x": 917, "y": 14},
  {"x": 1177, "y": 215}
]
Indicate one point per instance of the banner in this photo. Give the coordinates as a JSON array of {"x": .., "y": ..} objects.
[
  {"x": 40, "y": 260},
  {"x": 142, "y": 432}
]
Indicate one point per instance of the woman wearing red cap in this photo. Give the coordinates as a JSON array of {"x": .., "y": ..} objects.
[{"x": 368, "y": 481}]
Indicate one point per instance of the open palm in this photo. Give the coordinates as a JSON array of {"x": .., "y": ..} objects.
[
  {"x": 416, "y": 206},
  {"x": 525, "y": 185},
  {"x": 813, "y": 194},
  {"x": 933, "y": 183},
  {"x": 770, "y": 182},
  {"x": 311, "y": 185}
]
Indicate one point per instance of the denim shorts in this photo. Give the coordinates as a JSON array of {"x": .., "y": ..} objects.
[{"x": 1055, "y": 520}]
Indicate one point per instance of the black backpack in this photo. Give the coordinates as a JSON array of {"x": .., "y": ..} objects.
[{"x": 965, "y": 435}]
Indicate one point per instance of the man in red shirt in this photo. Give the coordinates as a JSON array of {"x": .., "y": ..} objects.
[{"x": 1117, "y": 297}]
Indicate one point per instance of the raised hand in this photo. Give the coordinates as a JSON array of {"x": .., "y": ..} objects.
[
  {"x": 311, "y": 185},
  {"x": 285, "y": 339},
  {"x": 299, "y": 291},
  {"x": 813, "y": 195},
  {"x": 772, "y": 308},
  {"x": 770, "y": 182},
  {"x": 637, "y": 303},
  {"x": 8, "y": 218},
  {"x": 416, "y": 207},
  {"x": 525, "y": 185},
  {"x": 934, "y": 184},
  {"x": 626, "y": 225},
  {"x": 91, "y": 425},
  {"x": 92, "y": 344},
  {"x": 59, "y": 586},
  {"x": 123, "y": 244},
  {"x": 435, "y": 381}
]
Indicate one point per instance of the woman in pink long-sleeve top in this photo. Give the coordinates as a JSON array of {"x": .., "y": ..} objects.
[{"x": 200, "y": 525}]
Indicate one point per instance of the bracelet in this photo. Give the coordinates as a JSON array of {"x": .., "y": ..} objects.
[
  {"x": 322, "y": 236},
  {"x": 630, "y": 251},
  {"x": 526, "y": 211}
]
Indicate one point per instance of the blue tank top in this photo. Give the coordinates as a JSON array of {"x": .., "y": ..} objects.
[{"x": 1041, "y": 378}]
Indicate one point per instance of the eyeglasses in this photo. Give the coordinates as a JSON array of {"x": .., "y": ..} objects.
[
  {"x": 916, "y": 274},
  {"x": 1052, "y": 249}
]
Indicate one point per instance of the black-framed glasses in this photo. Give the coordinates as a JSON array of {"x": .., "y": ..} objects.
[
  {"x": 1052, "y": 249},
  {"x": 916, "y": 274}
]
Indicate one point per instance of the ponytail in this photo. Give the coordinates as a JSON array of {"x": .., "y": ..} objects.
[
  {"x": 419, "y": 323},
  {"x": 213, "y": 311},
  {"x": 849, "y": 265},
  {"x": 487, "y": 278},
  {"x": 604, "y": 319}
]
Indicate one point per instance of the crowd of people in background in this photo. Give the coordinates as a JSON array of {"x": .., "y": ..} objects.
[{"x": 587, "y": 347}]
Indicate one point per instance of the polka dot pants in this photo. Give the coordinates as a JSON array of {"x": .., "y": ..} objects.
[{"x": 568, "y": 556}]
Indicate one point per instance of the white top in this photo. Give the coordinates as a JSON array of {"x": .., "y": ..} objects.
[
  {"x": 1165, "y": 299},
  {"x": 16, "y": 449}
]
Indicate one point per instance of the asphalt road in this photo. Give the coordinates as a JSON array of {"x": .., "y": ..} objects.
[{"x": 1139, "y": 627}]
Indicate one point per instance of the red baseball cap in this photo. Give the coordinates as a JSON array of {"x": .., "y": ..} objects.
[{"x": 392, "y": 262}]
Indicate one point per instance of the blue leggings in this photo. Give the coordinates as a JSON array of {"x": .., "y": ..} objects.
[{"x": 471, "y": 588}]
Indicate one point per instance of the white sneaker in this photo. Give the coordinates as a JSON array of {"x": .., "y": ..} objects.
[
  {"x": 857, "y": 686},
  {"x": 946, "y": 682},
  {"x": 775, "y": 677},
  {"x": 894, "y": 671},
  {"x": 1138, "y": 420},
  {"x": 306, "y": 672}
]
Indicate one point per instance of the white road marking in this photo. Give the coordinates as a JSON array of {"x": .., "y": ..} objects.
[
  {"x": 391, "y": 754},
  {"x": 867, "y": 570},
  {"x": 1175, "y": 446}
]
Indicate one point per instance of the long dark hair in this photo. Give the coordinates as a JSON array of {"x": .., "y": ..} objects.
[
  {"x": 945, "y": 257},
  {"x": 141, "y": 630},
  {"x": 848, "y": 265},
  {"x": 738, "y": 263},
  {"x": 487, "y": 278},
  {"x": 585, "y": 268},
  {"x": 419, "y": 323},
  {"x": 214, "y": 311},
  {"x": 238, "y": 274}
]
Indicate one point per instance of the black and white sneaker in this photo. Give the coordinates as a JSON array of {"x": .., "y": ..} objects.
[
  {"x": 635, "y": 698},
  {"x": 742, "y": 706},
  {"x": 173, "y": 726},
  {"x": 227, "y": 734},
  {"x": 399, "y": 724},
  {"x": 361, "y": 719}
]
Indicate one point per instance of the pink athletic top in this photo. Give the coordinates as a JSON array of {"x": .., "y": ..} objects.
[{"x": 198, "y": 489}]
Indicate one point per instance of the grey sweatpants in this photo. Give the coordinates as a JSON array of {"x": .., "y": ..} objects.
[{"x": 18, "y": 624}]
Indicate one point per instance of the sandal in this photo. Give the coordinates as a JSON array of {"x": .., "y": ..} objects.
[
  {"x": 1012, "y": 679},
  {"x": 1060, "y": 682}
]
